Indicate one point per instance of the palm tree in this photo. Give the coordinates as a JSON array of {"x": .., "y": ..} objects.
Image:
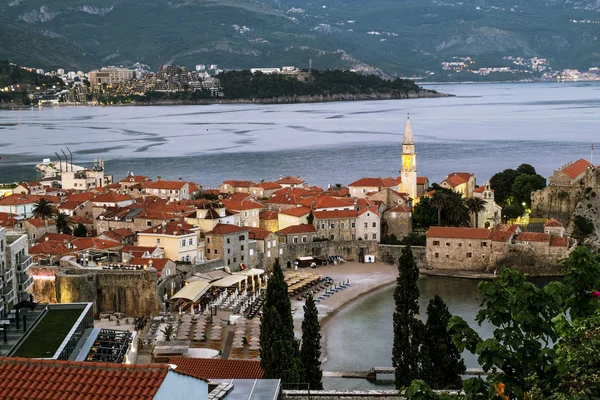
[
  {"x": 42, "y": 209},
  {"x": 457, "y": 211},
  {"x": 475, "y": 205},
  {"x": 439, "y": 201},
  {"x": 168, "y": 332},
  {"x": 63, "y": 222}
]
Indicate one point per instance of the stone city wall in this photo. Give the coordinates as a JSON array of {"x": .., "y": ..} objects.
[
  {"x": 348, "y": 249},
  {"x": 557, "y": 202},
  {"x": 391, "y": 253}
]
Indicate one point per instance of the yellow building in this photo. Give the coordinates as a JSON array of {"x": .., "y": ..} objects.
[
  {"x": 269, "y": 220},
  {"x": 178, "y": 239},
  {"x": 293, "y": 216},
  {"x": 460, "y": 182}
]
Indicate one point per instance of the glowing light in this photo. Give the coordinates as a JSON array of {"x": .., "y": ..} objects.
[{"x": 43, "y": 277}]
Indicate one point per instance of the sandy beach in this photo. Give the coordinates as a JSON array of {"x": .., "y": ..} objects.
[{"x": 364, "y": 278}]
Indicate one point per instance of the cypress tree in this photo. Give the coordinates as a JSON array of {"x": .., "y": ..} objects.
[
  {"x": 310, "y": 353},
  {"x": 279, "y": 352},
  {"x": 442, "y": 362},
  {"x": 407, "y": 328}
]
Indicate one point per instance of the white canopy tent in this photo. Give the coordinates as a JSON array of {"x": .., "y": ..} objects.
[
  {"x": 192, "y": 291},
  {"x": 229, "y": 281}
]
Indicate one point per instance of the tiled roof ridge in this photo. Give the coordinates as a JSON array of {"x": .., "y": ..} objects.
[{"x": 79, "y": 364}]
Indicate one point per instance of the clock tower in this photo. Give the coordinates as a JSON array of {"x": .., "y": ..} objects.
[{"x": 409, "y": 163}]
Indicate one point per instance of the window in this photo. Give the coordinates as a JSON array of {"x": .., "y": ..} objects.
[
  {"x": 394, "y": 214},
  {"x": 436, "y": 242},
  {"x": 216, "y": 251},
  {"x": 148, "y": 223},
  {"x": 228, "y": 262},
  {"x": 268, "y": 253},
  {"x": 469, "y": 255},
  {"x": 447, "y": 244},
  {"x": 483, "y": 256},
  {"x": 332, "y": 226},
  {"x": 182, "y": 242},
  {"x": 157, "y": 241},
  {"x": 437, "y": 255},
  {"x": 245, "y": 213},
  {"x": 228, "y": 251},
  {"x": 251, "y": 252},
  {"x": 241, "y": 258},
  {"x": 295, "y": 240},
  {"x": 208, "y": 240},
  {"x": 353, "y": 237},
  {"x": 207, "y": 251},
  {"x": 374, "y": 236},
  {"x": 268, "y": 244},
  {"x": 447, "y": 255},
  {"x": 274, "y": 243},
  {"x": 342, "y": 225},
  {"x": 234, "y": 260},
  {"x": 228, "y": 240},
  {"x": 374, "y": 224},
  {"x": 483, "y": 244},
  {"x": 303, "y": 239},
  {"x": 366, "y": 225},
  {"x": 314, "y": 237},
  {"x": 242, "y": 237},
  {"x": 332, "y": 237},
  {"x": 280, "y": 251},
  {"x": 366, "y": 237},
  {"x": 190, "y": 241},
  {"x": 459, "y": 244},
  {"x": 242, "y": 248},
  {"x": 167, "y": 272},
  {"x": 353, "y": 225}
]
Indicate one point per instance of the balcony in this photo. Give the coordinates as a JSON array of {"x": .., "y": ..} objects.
[
  {"x": 9, "y": 275},
  {"x": 25, "y": 285},
  {"x": 10, "y": 296},
  {"x": 24, "y": 265}
]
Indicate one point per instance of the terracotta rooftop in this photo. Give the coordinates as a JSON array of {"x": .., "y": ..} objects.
[
  {"x": 156, "y": 263},
  {"x": 296, "y": 229},
  {"x": 82, "y": 243},
  {"x": 40, "y": 223},
  {"x": 137, "y": 251},
  {"x": 421, "y": 180},
  {"x": 242, "y": 205},
  {"x": 400, "y": 209},
  {"x": 70, "y": 205},
  {"x": 559, "y": 242},
  {"x": 111, "y": 197},
  {"x": 258, "y": 233},
  {"x": 371, "y": 209},
  {"x": 533, "y": 237},
  {"x": 215, "y": 368},
  {"x": 290, "y": 180},
  {"x": 177, "y": 228},
  {"x": 49, "y": 247},
  {"x": 25, "y": 378},
  {"x": 338, "y": 192},
  {"x": 335, "y": 214},
  {"x": 376, "y": 182},
  {"x": 296, "y": 211},
  {"x": 167, "y": 185},
  {"x": 297, "y": 191},
  {"x": 244, "y": 184},
  {"x": 458, "y": 233},
  {"x": 552, "y": 223},
  {"x": 268, "y": 185},
  {"x": 83, "y": 196},
  {"x": 481, "y": 189},
  {"x": 503, "y": 232},
  {"x": 458, "y": 178},
  {"x": 227, "y": 229},
  {"x": 268, "y": 215},
  {"x": 135, "y": 179},
  {"x": 239, "y": 196},
  {"x": 325, "y": 201},
  {"x": 577, "y": 168},
  {"x": 20, "y": 199}
]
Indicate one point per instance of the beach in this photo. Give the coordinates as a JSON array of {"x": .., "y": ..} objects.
[{"x": 364, "y": 279}]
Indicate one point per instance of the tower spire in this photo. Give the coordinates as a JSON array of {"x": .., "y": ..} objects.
[{"x": 408, "y": 133}]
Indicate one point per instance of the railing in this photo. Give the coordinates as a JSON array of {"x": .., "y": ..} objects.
[
  {"x": 24, "y": 286},
  {"x": 10, "y": 296},
  {"x": 8, "y": 275},
  {"x": 24, "y": 265},
  {"x": 30, "y": 328}
]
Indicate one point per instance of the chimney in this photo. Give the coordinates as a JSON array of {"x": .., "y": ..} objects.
[
  {"x": 180, "y": 179},
  {"x": 158, "y": 178},
  {"x": 46, "y": 238}
]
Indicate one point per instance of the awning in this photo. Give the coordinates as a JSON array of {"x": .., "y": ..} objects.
[
  {"x": 192, "y": 291},
  {"x": 229, "y": 281},
  {"x": 250, "y": 272}
]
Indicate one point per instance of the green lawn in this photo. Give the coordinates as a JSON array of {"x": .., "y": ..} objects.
[{"x": 49, "y": 334}]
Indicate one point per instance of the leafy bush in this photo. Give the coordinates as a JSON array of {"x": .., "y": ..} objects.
[{"x": 583, "y": 227}]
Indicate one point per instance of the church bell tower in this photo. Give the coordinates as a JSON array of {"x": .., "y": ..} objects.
[{"x": 409, "y": 163}]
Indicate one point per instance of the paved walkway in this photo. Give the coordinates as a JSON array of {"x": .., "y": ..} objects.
[{"x": 477, "y": 275}]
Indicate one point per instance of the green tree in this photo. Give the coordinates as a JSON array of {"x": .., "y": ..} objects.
[
  {"x": 581, "y": 280},
  {"x": 80, "y": 230},
  {"x": 310, "y": 218},
  {"x": 424, "y": 215},
  {"x": 512, "y": 211},
  {"x": 407, "y": 328},
  {"x": 310, "y": 352},
  {"x": 583, "y": 227},
  {"x": 502, "y": 183},
  {"x": 475, "y": 205},
  {"x": 63, "y": 222},
  {"x": 457, "y": 212},
  {"x": 439, "y": 202},
  {"x": 277, "y": 332},
  {"x": 42, "y": 209},
  {"x": 522, "y": 316},
  {"x": 168, "y": 332},
  {"x": 524, "y": 185},
  {"x": 526, "y": 169},
  {"x": 442, "y": 363}
]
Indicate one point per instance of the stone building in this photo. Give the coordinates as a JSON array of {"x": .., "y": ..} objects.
[
  {"x": 236, "y": 186},
  {"x": 178, "y": 239},
  {"x": 15, "y": 263},
  {"x": 293, "y": 216},
  {"x": 229, "y": 243},
  {"x": 459, "y": 248},
  {"x": 570, "y": 173},
  {"x": 460, "y": 182},
  {"x": 172, "y": 190},
  {"x": 86, "y": 179},
  {"x": 248, "y": 211},
  {"x": 343, "y": 225},
  {"x": 397, "y": 221},
  {"x": 269, "y": 220},
  {"x": 305, "y": 233},
  {"x": 490, "y": 216},
  {"x": 37, "y": 227},
  {"x": 267, "y": 244},
  {"x": 554, "y": 228},
  {"x": 408, "y": 170},
  {"x": 264, "y": 189}
]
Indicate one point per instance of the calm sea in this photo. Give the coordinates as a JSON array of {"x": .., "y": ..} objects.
[{"x": 484, "y": 129}]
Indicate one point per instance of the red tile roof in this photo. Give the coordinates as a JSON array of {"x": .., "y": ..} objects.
[
  {"x": 83, "y": 196},
  {"x": 26, "y": 378},
  {"x": 227, "y": 229},
  {"x": 552, "y": 223},
  {"x": 135, "y": 179},
  {"x": 40, "y": 223},
  {"x": 458, "y": 233},
  {"x": 20, "y": 199},
  {"x": 335, "y": 214},
  {"x": 296, "y": 229},
  {"x": 167, "y": 185},
  {"x": 244, "y": 184},
  {"x": 481, "y": 189},
  {"x": 290, "y": 180},
  {"x": 559, "y": 242},
  {"x": 458, "y": 178},
  {"x": 82, "y": 243},
  {"x": 258, "y": 233},
  {"x": 533, "y": 237},
  {"x": 157, "y": 263},
  {"x": 422, "y": 180},
  {"x": 241, "y": 205},
  {"x": 297, "y": 191},
  {"x": 60, "y": 237},
  {"x": 137, "y": 251},
  {"x": 296, "y": 211},
  {"x": 239, "y": 196},
  {"x": 177, "y": 228},
  {"x": 377, "y": 182},
  {"x": 215, "y": 368},
  {"x": 268, "y": 185},
  {"x": 70, "y": 205},
  {"x": 338, "y": 192},
  {"x": 50, "y": 247},
  {"x": 400, "y": 209},
  {"x": 577, "y": 168},
  {"x": 80, "y": 219},
  {"x": 372, "y": 209},
  {"x": 111, "y": 197},
  {"x": 324, "y": 201},
  {"x": 268, "y": 215},
  {"x": 503, "y": 232}
]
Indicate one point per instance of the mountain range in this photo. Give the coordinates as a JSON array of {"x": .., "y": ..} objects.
[{"x": 394, "y": 37}]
